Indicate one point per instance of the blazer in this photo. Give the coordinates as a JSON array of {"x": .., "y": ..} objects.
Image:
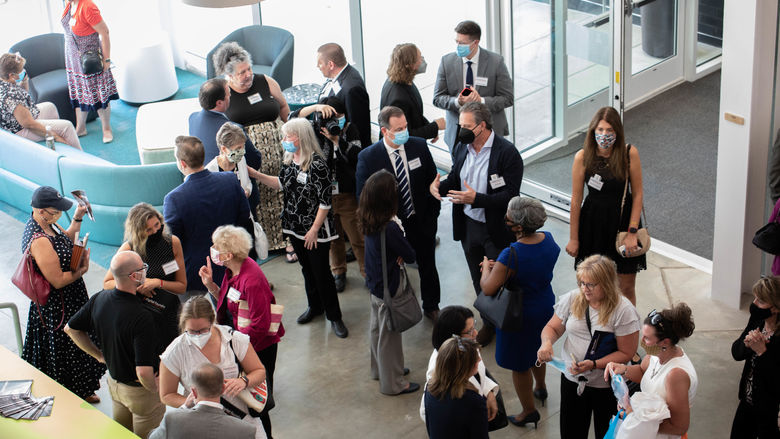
[
  {"x": 375, "y": 157},
  {"x": 355, "y": 97},
  {"x": 407, "y": 98},
  {"x": 195, "y": 208},
  {"x": 504, "y": 162},
  {"x": 498, "y": 93},
  {"x": 203, "y": 422}
]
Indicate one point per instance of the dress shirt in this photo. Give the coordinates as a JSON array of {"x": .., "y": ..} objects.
[
  {"x": 402, "y": 152},
  {"x": 210, "y": 404},
  {"x": 474, "y": 60},
  {"x": 475, "y": 172},
  {"x": 330, "y": 83}
]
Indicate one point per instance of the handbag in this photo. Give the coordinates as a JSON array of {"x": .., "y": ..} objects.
[
  {"x": 91, "y": 60},
  {"x": 32, "y": 282},
  {"x": 642, "y": 235},
  {"x": 276, "y": 318},
  {"x": 403, "y": 308},
  {"x": 505, "y": 308},
  {"x": 602, "y": 343},
  {"x": 261, "y": 241},
  {"x": 254, "y": 397},
  {"x": 767, "y": 238}
]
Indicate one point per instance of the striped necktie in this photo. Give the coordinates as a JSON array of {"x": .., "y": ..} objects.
[{"x": 403, "y": 186}]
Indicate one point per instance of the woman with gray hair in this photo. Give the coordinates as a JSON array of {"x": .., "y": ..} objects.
[
  {"x": 306, "y": 219},
  {"x": 526, "y": 265},
  {"x": 230, "y": 141},
  {"x": 257, "y": 103}
]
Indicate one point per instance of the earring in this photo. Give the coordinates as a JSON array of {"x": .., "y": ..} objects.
[{"x": 663, "y": 348}]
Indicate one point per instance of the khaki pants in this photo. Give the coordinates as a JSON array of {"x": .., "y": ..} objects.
[
  {"x": 345, "y": 205},
  {"x": 136, "y": 408},
  {"x": 50, "y": 116}
]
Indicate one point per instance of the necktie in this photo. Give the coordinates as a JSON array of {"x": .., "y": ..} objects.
[
  {"x": 403, "y": 186},
  {"x": 469, "y": 74}
]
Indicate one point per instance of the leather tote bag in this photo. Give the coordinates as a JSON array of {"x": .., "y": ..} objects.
[
  {"x": 767, "y": 238},
  {"x": 403, "y": 308},
  {"x": 33, "y": 284},
  {"x": 505, "y": 308}
]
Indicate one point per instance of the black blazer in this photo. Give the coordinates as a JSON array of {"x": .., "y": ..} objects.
[
  {"x": 407, "y": 98},
  {"x": 355, "y": 97},
  {"x": 505, "y": 162},
  {"x": 375, "y": 157}
]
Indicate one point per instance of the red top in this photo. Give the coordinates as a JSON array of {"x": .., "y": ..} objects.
[
  {"x": 252, "y": 311},
  {"x": 86, "y": 16}
]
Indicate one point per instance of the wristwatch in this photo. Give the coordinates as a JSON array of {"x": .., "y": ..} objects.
[
  {"x": 632, "y": 230},
  {"x": 246, "y": 380}
]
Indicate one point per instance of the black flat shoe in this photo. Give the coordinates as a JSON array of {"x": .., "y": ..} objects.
[
  {"x": 339, "y": 329},
  {"x": 541, "y": 395},
  {"x": 307, "y": 316},
  {"x": 341, "y": 282},
  {"x": 406, "y": 371},
  {"x": 413, "y": 387},
  {"x": 534, "y": 417}
]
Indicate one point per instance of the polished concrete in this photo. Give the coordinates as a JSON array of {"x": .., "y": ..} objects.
[{"x": 323, "y": 388}]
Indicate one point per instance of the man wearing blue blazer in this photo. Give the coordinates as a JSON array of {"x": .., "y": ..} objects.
[
  {"x": 472, "y": 74},
  {"x": 195, "y": 208},
  {"x": 409, "y": 159},
  {"x": 486, "y": 173}
]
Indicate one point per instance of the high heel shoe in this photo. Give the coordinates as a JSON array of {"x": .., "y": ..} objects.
[
  {"x": 534, "y": 417},
  {"x": 541, "y": 395}
]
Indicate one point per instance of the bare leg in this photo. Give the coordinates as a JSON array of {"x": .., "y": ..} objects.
[
  {"x": 524, "y": 382},
  {"x": 81, "y": 122},
  {"x": 539, "y": 374},
  {"x": 105, "y": 121},
  {"x": 627, "y": 283}
]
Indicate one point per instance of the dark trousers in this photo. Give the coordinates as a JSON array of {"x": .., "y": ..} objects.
[
  {"x": 749, "y": 423},
  {"x": 476, "y": 245},
  {"x": 320, "y": 286},
  {"x": 576, "y": 410},
  {"x": 268, "y": 358},
  {"x": 421, "y": 234}
]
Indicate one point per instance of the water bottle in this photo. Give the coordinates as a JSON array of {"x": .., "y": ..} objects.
[{"x": 49, "y": 137}]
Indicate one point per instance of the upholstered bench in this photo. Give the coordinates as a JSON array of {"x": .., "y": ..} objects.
[{"x": 158, "y": 124}]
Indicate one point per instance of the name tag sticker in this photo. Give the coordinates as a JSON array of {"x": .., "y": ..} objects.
[
  {"x": 481, "y": 81},
  {"x": 170, "y": 267},
  {"x": 414, "y": 164},
  {"x": 72, "y": 21},
  {"x": 233, "y": 294},
  {"x": 595, "y": 182},
  {"x": 255, "y": 98},
  {"x": 496, "y": 181},
  {"x": 336, "y": 87},
  {"x": 302, "y": 177},
  {"x": 334, "y": 187}
]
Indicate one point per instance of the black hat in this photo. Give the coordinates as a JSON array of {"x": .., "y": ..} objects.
[{"x": 47, "y": 196}]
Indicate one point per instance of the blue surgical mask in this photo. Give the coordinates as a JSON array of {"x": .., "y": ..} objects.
[
  {"x": 401, "y": 137},
  {"x": 342, "y": 120},
  {"x": 463, "y": 50},
  {"x": 289, "y": 146},
  {"x": 21, "y": 77}
]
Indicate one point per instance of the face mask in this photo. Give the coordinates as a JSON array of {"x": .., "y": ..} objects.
[
  {"x": 235, "y": 156},
  {"x": 156, "y": 236},
  {"x": 605, "y": 141},
  {"x": 215, "y": 257},
  {"x": 142, "y": 277},
  {"x": 21, "y": 77},
  {"x": 342, "y": 120},
  {"x": 199, "y": 340},
  {"x": 466, "y": 136},
  {"x": 463, "y": 50},
  {"x": 761, "y": 313},
  {"x": 423, "y": 67},
  {"x": 289, "y": 146},
  {"x": 401, "y": 137}
]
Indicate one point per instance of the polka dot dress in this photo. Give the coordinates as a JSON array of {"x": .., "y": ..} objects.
[{"x": 53, "y": 352}]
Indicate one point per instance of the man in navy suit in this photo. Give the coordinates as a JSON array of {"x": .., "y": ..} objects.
[
  {"x": 195, "y": 208},
  {"x": 345, "y": 82},
  {"x": 409, "y": 159},
  {"x": 486, "y": 173},
  {"x": 214, "y": 98}
]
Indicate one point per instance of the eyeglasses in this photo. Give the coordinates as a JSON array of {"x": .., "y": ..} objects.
[
  {"x": 587, "y": 285},
  {"x": 56, "y": 212},
  {"x": 469, "y": 331},
  {"x": 143, "y": 268},
  {"x": 198, "y": 331}
]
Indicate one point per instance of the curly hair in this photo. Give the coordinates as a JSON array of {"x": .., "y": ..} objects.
[
  {"x": 401, "y": 69},
  {"x": 228, "y": 55}
]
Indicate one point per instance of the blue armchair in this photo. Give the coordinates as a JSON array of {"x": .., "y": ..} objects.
[{"x": 271, "y": 48}]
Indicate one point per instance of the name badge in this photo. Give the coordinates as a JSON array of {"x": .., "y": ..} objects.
[
  {"x": 72, "y": 21},
  {"x": 334, "y": 186},
  {"x": 414, "y": 164},
  {"x": 496, "y": 181},
  {"x": 595, "y": 182},
  {"x": 336, "y": 87},
  {"x": 481, "y": 81},
  {"x": 170, "y": 267},
  {"x": 233, "y": 294},
  {"x": 302, "y": 177},
  {"x": 255, "y": 98}
]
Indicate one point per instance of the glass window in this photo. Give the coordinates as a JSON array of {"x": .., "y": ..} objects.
[
  {"x": 653, "y": 34},
  {"x": 709, "y": 42}
]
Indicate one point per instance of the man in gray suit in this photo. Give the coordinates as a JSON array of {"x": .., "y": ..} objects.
[
  {"x": 472, "y": 74},
  {"x": 207, "y": 419}
]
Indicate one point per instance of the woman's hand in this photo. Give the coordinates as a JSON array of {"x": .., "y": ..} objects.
[
  {"x": 486, "y": 266},
  {"x": 581, "y": 367},
  {"x": 106, "y": 64},
  {"x": 84, "y": 265},
  {"x": 334, "y": 139},
  {"x": 205, "y": 274},
  {"x": 572, "y": 248},
  {"x": 755, "y": 340},
  {"x": 190, "y": 401},
  {"x": 492, "y": 406},
  {"x": 614, "y": 369},
  {"x": 310, "y": 239},
  {"x": 326, "y": 110},
  {"x": 80, "y": 211},
  {"x": 233, "y": 386},
  {"x": 545, "y": 353},
  {"x": 631, "y": 243},
  {"x": 147, "y": 288}
]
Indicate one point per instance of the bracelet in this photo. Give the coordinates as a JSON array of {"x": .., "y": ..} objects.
[
  {"x": 78, "y": 220},
  {"x": 246, "y": 380},
  {"x": 107, "y": 60},
  {"x": 594, "y": 364},
  {"x": 161, "y": 283}
]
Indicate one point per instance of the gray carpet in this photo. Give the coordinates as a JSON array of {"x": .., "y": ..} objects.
[{"x": 677, "y": 137}]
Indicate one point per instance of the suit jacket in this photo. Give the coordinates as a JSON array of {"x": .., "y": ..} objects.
[
  {"x": 355, "y": 97},
  {"x": 498, "y": 93},
  {"x": 375, "y": 157},
  {"x": 504, "y": 162},
  {"x": 407, "y": 98},
  {"x": 195, "y": 208},
  {"x": 202, "y": 422}
]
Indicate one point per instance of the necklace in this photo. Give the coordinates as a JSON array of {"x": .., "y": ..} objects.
[{"x": 655, "y": 369}]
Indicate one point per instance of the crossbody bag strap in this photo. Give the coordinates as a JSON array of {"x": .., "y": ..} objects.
[
  {"x": 385, "y": 288},
  {"x": 625, "y": 190},
  {"x": 587, "y": 319},
  {"x": 30, "y": 269}
]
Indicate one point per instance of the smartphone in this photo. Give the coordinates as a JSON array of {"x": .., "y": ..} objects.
[
  {"x": 466, "y": 91},
  {"x": 574, "y": 360}
]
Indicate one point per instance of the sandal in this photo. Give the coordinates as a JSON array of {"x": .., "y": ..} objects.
[
  {"x": 92, "y": 399},
  {"x": 291, "y": 256}
]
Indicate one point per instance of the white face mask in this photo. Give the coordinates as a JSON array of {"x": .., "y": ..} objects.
[{"x": 199, "y": 340}]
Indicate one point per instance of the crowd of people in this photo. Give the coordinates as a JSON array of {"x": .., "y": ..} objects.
[{"x": 185, "y": 304}]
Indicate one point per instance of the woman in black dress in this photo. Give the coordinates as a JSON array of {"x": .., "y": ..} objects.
[
  {"x": 604, "y": 163},
  {"x": 399, "y": 91},
  {"x": 166, "y": 278},
  {"x": 46, "y": 346}
]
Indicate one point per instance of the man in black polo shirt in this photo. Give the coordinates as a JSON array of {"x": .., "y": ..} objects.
[{"x": 125, "y": 330}]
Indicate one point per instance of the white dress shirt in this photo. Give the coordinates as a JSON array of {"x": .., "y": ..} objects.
[{"x": 475, "y": 172}]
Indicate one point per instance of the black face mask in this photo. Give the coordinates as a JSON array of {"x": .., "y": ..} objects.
[
  {"x": 466, "y": 136},
  {"x": 760, "y": 313},
  {"x": 154, "y": 238}
]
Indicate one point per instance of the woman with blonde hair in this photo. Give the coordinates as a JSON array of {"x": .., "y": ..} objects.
[
  {"x": 453, "y": 406},
  {"x": 603, "y": 327},
  {"x": 306, "y": 218},
  {"x": 166, "y": 279},
  {"x": 399, "y": 91}
]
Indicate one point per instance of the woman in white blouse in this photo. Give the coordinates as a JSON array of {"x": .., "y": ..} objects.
[{"x": 231, "y": 140}]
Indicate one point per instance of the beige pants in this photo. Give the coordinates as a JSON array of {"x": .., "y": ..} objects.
[
  {"x": 345, "y": 206},
  {"x": 136, "y": 408},
  {"x": 387, "y": 353},
  {"x": 50, "y": 116}
]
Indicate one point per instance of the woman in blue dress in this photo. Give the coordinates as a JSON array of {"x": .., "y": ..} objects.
[{"x": 527, "y": 265}]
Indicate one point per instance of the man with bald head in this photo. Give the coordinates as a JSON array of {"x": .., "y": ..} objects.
[{"x": 125, "y": 330}]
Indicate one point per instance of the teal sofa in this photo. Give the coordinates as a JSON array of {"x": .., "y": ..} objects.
[{"x": 112, "y": 190}]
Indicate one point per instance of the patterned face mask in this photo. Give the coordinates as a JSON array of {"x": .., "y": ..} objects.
[{"x": 605, "y": 141}]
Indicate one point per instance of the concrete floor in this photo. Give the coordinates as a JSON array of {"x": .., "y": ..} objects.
[{"x": 323, "y": 387}]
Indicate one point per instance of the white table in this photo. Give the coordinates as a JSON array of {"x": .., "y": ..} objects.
[
  {"x": 144, "y": 68},
  {"x": 158, "y": 124}
]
